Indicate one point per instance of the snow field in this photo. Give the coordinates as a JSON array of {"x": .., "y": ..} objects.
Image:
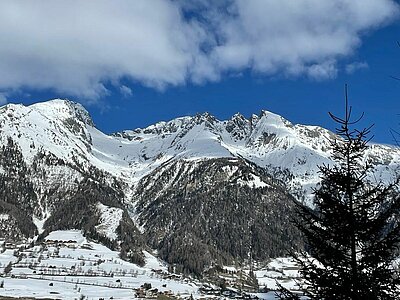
[{"x": 68, "y": 266}]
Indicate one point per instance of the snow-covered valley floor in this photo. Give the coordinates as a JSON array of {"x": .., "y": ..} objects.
[{"x": 68, "y": 266}]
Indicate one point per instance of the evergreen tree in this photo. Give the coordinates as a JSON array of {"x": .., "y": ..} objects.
[{"x": 353, "y": 230}]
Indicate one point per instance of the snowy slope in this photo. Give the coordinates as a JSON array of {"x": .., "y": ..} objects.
[{"x": 110, "y": 217}]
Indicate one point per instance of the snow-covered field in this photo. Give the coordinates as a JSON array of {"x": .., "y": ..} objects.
[
  {"x": 69, "y": 266},
  {"x": 281, "y": 269}
]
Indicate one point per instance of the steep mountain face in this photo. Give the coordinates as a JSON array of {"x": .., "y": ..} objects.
[
  {"x": 192, "y": 185},
  {"x": 47, "y": 181},
  {"x": 214, "y": 211},
  {"x": 17, "y": 196}
]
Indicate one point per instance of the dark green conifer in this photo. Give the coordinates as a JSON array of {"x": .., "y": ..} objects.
[{"x": 353, "y": 230}]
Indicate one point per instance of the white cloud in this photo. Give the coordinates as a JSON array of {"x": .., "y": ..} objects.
[
  {"x": 3, "y": 99},
  {"x": 125, "y": 91},
  {"x": 322, "y": 71},
  {"x": 355, "y": 66},
  {"x": 78, "y": 47},
  {"x": 297, "y": 37}
]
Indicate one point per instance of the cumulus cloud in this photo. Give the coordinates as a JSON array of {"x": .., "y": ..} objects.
[
  {"x": 355, "y": 66},
  {"x": 296, "y": 37},
  {"x": 78, "y": 47}
]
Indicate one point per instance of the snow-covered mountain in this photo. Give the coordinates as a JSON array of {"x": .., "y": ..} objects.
[
  {"x": 54, "y": 162},
  {"x": 65, "y": 129}
]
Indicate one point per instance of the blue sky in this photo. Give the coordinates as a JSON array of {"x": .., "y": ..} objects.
[{"x": 140, "y": 62}]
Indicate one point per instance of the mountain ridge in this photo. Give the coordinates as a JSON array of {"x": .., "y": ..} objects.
[{"x": 266, "y": 139}]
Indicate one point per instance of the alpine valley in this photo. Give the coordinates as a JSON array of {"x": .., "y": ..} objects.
[{"x": 195, "y": 194}]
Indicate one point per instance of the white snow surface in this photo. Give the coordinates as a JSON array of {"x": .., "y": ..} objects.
[
  {"x": 66, "y": 236},
  {"x": 283, "y": 270},
  {"x": 254, "y": 182},
  {"x": 110, "y": 218}
]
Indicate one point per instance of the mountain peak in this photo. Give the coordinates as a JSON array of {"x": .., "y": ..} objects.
[
  {"x": 205, "y": 117},
  {"x": 238, "y": 116},
  {"x": 64, "y": 108},
  {"x": 273, "y": 118}
]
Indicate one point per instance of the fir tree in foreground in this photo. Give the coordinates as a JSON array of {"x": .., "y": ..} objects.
[{"x": 353, "y": 231}]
